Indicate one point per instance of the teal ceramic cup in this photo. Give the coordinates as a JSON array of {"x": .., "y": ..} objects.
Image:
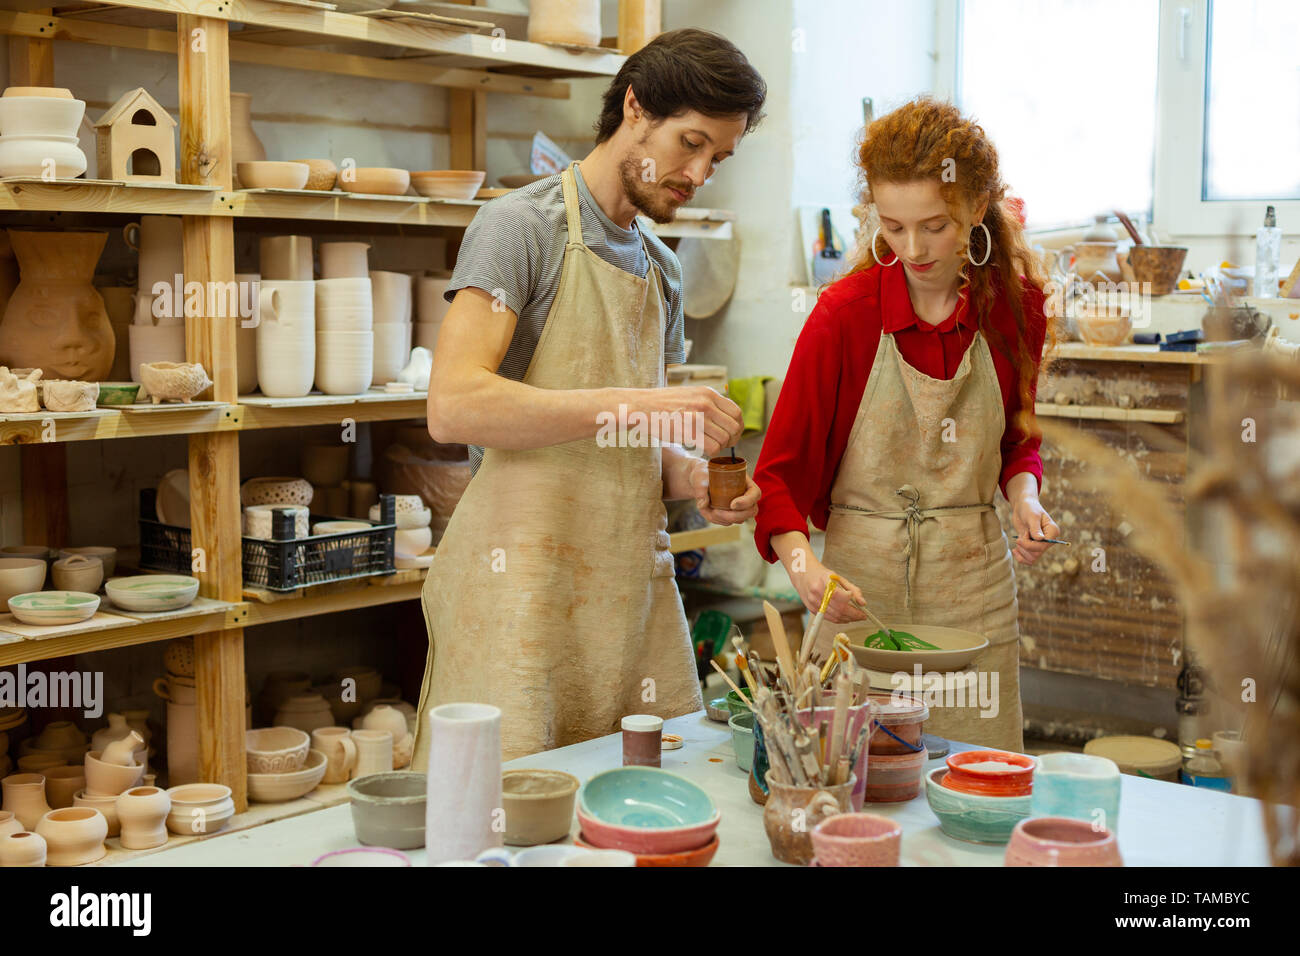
[
  {"x": 1078, "y": 786},
  {"x": 742, "y": 739}
]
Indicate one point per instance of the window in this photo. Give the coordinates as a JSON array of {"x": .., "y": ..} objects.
[
  {"x": 1252, "y": 101},
  {"x": 1067, "y": 91}
]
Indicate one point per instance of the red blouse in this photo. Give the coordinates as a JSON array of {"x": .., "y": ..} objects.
[{"x": 828, "y": 373}]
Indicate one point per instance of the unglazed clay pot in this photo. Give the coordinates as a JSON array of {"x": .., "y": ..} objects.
[
  {"x": 62, "y": 784},
  {"x": 791, "y": 843},
  {"x": 105, "y": 804},
  {"x": 286, "y": 338},
  {"x": 78, "y": 572},
  {"x": 24, "y": 797},
  {"x": 285, "y": 258},
  {"x": 73, "y": 836},
  {"x": 374, "y": 752},
  {"x": 64, "y": 396},
  {"x": 55, "y": 320},
  {"x": 123, "y": 751},
  {"x": 199, "y": 808},
  {"x": 18, "y": 393},
  {"x": 388, "y": 809},
  {"x": 307, "y": 712},
  {"x": 142, "y": 812},
  {"x": 278, "y": 687},
  {"x": 22, "y": 849},
  {"x": 117, "y": 729},
  {"x": 9, "y": 823},
  {"x": 110, "y": 779},
  {"x": 174, "y": 381},
  {"x": 244, "y": 144}
]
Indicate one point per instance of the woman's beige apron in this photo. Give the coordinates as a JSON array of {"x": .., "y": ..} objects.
[
  {"x": 912, "y": 524},
  {"x": 552, "y": 594}
]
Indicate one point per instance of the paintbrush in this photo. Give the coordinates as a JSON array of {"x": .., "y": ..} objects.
[
  {"x": 756, "y": 668},
  {"x": 839, "y": 721},
  {"x": 810, "y": 636},
  {"x": 743, "y": 665},
  {"x": 1044, "y": 540},
  {"x": 784, "y": 662},
  {"x": 732, "y": 684},
  {"x": 856, "y": 753}
]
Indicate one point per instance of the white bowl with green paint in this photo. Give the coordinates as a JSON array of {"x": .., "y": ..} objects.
[
  {"x": 52, "y": 608},
  {"x": 152, "y": 592}
]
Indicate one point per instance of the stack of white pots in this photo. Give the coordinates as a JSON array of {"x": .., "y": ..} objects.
[
  {"x": 157, "y": 334},
  {"x": 430, "y": 309},
  {"x": 391, "y": 293},
  {"x": 345, "y": 337},
  {"x": 286, "y": 330},
  {"x": 38, "y": 132}
]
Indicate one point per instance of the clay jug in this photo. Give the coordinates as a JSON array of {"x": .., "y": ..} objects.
[
  {"x": 805, "y": 806},
  {"x": 117, "y": 729},
  {"x": 55, "y": 320},
  {"x": 244, "y": 144},
  {"x": 24, "y": 797},
  {"x": 123, "y": 752}
]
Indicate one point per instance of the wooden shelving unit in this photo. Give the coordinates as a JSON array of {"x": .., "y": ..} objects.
[{"x": 468, "y": 64}]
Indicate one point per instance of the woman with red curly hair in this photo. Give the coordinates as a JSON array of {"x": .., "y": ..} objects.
[{"x": 909, "y": 402}]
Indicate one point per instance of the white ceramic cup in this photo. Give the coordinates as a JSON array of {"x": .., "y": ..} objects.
[
  {"x": 344, "y": 259},
  {"x": 340, "y": 752},
  {"x": 374, "y": 751},
  {"x": 392, "y": 299},
  {"x": 344, "y": 304},
  {"x": 392, "y": 348},
  {"x": 345, "y": 362},
  {"x": 412, "y": 542}
]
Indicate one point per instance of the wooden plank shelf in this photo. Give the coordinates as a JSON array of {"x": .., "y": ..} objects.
[
  {"x": 1128, "y": 353},
  {"x": 103, "y": 423},
  {"x": 1155, "y": 416},
  {"x": 114, "y": 628},
  {"x": 257, "y": 411},
  {"x": 703, "y": 537}
]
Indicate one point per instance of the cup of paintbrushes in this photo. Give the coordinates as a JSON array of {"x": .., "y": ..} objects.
[
  {"x": 727, "y": 480},
  {"x": 791, "y": 813}
]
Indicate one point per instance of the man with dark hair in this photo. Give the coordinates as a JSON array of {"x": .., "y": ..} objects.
[{"x": 551, "y": 595}]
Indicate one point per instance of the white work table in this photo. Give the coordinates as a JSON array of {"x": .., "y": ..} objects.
[{"x": 1160, "y": 824}]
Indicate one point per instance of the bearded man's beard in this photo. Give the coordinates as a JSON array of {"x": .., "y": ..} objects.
[{"x": 648, "y": 197}]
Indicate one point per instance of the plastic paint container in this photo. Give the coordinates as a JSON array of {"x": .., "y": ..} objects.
[
  {"x": 900, "y": 721},
  {"x": 893, "y": 778}
]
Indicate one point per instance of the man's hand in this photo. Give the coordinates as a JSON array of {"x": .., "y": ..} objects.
[
  {"x": 690, "y": 415},
  {"x": 740, "y": 509}
]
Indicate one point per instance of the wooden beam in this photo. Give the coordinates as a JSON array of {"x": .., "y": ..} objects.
[
  {"x": 467, "y": 117},
  {"x": 203, "y": 67},
  {"x": 31, "y": 59},
  {"x": 24, "y": 25},
  {"x": 639, "y": 22}
]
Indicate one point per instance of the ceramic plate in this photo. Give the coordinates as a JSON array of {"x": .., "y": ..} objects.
[
  {"x": 957, "y": 648},
  {"x": 153, "y": 592},
  {"x": 49, "y": 608}
]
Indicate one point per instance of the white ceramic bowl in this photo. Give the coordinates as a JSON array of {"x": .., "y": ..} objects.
[
  {"x": 278, "y": 787},
  {"x": 412, "y": 542},
  {"x": 199, "y": 808},
  {"x": 153, "y": 592},
  {"x": 21, "y": 576},
  {"x": 344, "y": 362},
  {"x": 276, "y": 749},
  {"x": 28, "y": 156},
  {"x": 407, "y": 520},
  {"x": 53, "y": 608}
]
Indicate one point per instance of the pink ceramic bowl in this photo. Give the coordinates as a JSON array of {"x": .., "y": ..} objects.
[
  {"x": 1058, "y": 841},
  {"x": 647, "y": 840},
  {"x": 857, "y": 839}
]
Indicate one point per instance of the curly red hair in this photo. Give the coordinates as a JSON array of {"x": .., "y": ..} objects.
[{"x": 927, "y": 139}]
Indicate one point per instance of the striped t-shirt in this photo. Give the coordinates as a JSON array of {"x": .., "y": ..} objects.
[{"x": 516, "y": 245}]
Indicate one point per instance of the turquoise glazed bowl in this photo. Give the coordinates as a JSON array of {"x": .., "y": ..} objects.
[
  {"x": 973, "y": 817},
  {"x": 645, "y": 810},
  {"x": 742, "y": 739}
]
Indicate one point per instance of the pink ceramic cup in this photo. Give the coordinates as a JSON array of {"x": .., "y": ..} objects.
[
  {"x": 1059, "y": 841},
  {"x": 857, "y": 839}
]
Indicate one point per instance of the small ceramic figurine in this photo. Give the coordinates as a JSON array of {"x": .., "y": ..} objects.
[
  {"x": 19, "y": 394},
  {"x": 174, "y": 381},
  {"x": 418, "y": 369}
]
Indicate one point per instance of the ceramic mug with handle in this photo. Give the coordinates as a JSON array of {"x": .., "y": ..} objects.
[{"x": 340, "y": 752}]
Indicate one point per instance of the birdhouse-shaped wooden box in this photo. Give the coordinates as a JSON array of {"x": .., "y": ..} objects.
[{"x": 135, "y": 140}]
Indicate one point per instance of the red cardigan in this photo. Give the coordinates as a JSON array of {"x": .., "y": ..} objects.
[{"x": 828, "y": 373}]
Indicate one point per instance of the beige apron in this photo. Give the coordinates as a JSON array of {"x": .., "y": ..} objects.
[
  {"x": 912, "y": 524},
  {"x": 552, "y": 593}
]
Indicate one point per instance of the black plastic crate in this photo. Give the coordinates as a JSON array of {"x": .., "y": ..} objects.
[{"x": 284, "y": 563}]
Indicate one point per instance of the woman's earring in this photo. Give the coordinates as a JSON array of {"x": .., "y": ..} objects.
[
  {"x": 988, "y": 244},
  {"x": 876, "y": 255}
]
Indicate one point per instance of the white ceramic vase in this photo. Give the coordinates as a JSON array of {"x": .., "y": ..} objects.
[
  {"x": 286, "y": 338},
  {"x": 464, "y": 775}
]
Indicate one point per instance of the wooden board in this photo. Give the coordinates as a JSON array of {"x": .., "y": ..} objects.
[
  {"x": 101, "y": 621},
  {"x": 200, "y": 607}
]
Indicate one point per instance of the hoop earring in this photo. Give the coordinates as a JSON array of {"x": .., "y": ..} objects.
[
  {"x": 988, "y": 245},
  {"x": 874, "y": 235}
]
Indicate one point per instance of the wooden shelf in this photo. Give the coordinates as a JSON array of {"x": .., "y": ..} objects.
[
  {"x": 1156, "y": 416},
  {"x": 1128, "y": 353},
  {"x": 137, "y": 421},
  {"x": 703, "y": 537},
  {"x": 116, "y": 629},
  {"x": 256, "y": 411},
  {"x": 694, "y": 223}
]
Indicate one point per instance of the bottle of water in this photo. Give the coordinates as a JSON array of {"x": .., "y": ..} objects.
[
  {"x": 1268, "y": 256},
  {"x": 1204, "y": 770}
]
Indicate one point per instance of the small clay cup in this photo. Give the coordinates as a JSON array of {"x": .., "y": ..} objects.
[
  {"x": 1159, "y": 265},
  {"x": 727, "y": 481}
]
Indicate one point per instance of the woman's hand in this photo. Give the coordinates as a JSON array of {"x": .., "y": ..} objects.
[
  {"x": 1032, "y": 522},
  {"x": 741, "y": 509},
  {"x": 811, "y": 585}
]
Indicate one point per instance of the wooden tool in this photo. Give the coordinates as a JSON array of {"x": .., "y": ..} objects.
[
  {"x": 810, "y": 636},
  {"x": 732, "y": 684},
  {"x": 784, "y": 661},
  {"x": 1044, "y": 540},
  {"x": 840, "y": 721}
]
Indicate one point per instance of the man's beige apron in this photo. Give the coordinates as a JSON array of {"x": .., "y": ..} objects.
[
  {"x": 912, "y": 523},
  {"x": 552, "y": 594}
]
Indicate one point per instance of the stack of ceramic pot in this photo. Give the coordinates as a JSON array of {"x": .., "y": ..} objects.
[
  {"x": 345, "y": 338},
  {"x": 286, "y": 330},
  {"x": 385, "y": 718},
  {"x": 179, "y": 691},
  {"x": 281, "y": 764},
  {"x": 38, "y": 133},
  {"x": 158, "y": 326},
  {"x": 393, "y": 309},
  {"x": 414, "y": 535},
  {"x": 430, "y": 309}
]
